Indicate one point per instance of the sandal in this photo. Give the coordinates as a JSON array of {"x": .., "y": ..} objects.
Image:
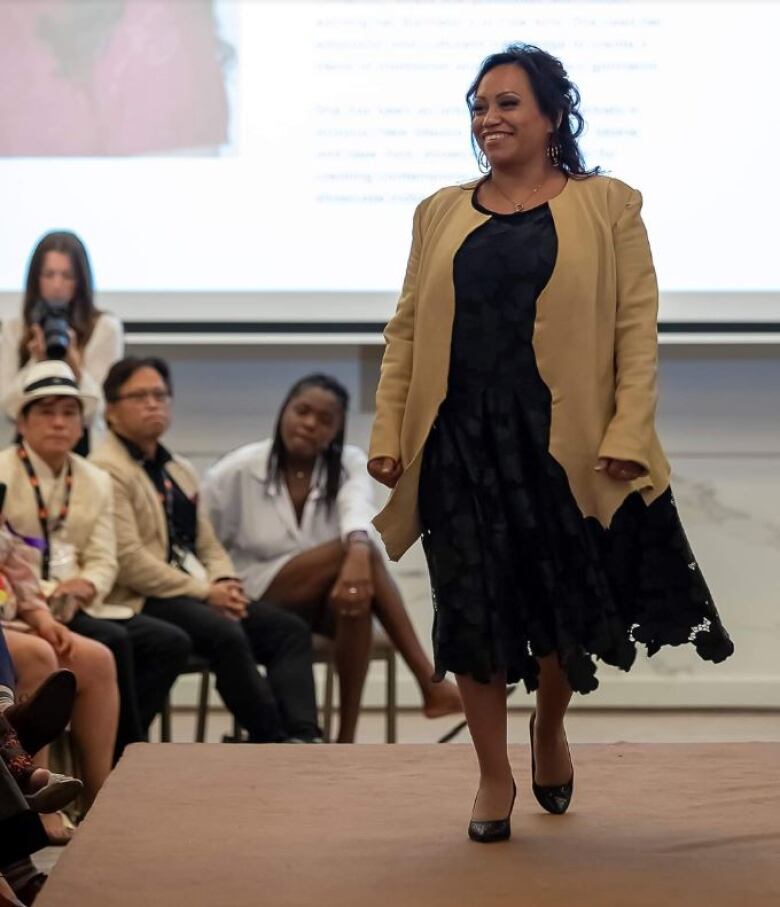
[{"x": 58, "y": 791}]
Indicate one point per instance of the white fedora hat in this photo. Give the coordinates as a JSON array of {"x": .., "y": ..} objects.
[{"x": 53, "y": 378}]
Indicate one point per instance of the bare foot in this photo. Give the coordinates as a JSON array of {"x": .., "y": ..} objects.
[
  {"x": 553, "y": 762},
  {"x": 494, "y": 799},
  {"x": 441, "y": 699}
]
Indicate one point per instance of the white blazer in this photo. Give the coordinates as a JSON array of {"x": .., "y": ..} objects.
[
  {"x": 105, "y": 347},
  {"x": 89, "y": 525},
  {"x": 256, "y": 521}
]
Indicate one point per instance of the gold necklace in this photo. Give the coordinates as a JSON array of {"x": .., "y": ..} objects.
[{"x": 520, "y": 206}]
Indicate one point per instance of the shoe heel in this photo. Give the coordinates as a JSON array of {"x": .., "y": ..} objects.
[
  {"x": 492, "y": 830},
  {"x": 555, "y": 798}
]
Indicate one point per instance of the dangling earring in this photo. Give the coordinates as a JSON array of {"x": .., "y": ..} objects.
[
  {"x": 554, "y": 150},
  {"x": 482, "y": 162}
]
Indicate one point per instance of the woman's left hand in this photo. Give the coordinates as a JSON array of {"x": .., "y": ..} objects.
[
  {"x": 353, "y": 591},
  {"x": 73, "y": 355},
  {"x": 56, "y": 634},
  {"x": 621, "y": 470}
]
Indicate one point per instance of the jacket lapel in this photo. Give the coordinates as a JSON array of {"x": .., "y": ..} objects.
[
  {"x": 147, "y": 487},
  {"x": 277, "y": 494}
]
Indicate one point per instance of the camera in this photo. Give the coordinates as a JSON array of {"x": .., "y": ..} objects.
[{"x": 53, "y": 319}]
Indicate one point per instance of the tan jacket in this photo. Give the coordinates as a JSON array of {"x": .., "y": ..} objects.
[
  {"x": 89, "y": 525},
  {"x": 594, "y": 338},
  {"x": 142, "y": 531}
]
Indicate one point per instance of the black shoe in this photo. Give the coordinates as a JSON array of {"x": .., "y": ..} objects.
[
  {"x": 41, "y": 718},
  {"x": 555, "y": 798},
  {"x": 491, "y": 830}
]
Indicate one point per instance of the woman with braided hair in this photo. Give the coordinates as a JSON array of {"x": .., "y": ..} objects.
[{"x": 295, "y": 514}]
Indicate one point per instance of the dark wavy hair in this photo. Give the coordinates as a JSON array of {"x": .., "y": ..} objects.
[
  {"x": 82, "y": 312},
  {"x": 557, "y": 96},
  {"x": 277, "y": 459}
]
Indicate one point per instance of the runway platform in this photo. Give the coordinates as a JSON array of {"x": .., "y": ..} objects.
[{"x": 182, "y": 825}]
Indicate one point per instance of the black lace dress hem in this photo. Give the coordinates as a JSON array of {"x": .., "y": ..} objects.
[{"x": 516, "y": 571}]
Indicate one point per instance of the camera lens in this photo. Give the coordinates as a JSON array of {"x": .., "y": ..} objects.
[{"x": 53, "y": 319}]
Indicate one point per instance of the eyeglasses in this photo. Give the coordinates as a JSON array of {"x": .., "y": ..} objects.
[{"x": 142, "y": 396}]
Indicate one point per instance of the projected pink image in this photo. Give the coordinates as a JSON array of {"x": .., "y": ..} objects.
[{"x": 112, "y": 78}]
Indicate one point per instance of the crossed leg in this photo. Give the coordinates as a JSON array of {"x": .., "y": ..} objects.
[
  {"x": 305, "y": 582},
  {"x": 96, "y": 708}
]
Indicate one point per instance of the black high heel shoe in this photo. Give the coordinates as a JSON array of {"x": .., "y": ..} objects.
[
  {"x": 555, "y": 798},
  {"x": 491, "y": 830}
]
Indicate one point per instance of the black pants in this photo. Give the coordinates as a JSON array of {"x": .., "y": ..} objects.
[
  {"x": 149, "y": 656},
  {"x": 21, "y": 832},
  {"x": 271, "y": 708}
]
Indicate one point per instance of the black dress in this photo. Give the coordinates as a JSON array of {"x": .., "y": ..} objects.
[{"x": 516, "y": 569}]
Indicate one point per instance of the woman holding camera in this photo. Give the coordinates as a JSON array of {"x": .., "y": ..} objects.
[{"x": 59, "y": 320}]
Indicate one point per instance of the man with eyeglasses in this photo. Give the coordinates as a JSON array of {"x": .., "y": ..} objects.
[{"x": 172, "y": 566}]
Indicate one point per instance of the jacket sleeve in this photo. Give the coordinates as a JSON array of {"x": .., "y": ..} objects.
[
  {"x": 396, "y": 370},
  {"x": 218, "y": 497},
  {"x": 355, "y": 501},
  {"x": 139, "y": 569},
  {"x": 105, "y": 347},
  {"x": 98, "y": 562},
  {"x": 630, "y": 431},
  {"x": 210, "y": 551}
]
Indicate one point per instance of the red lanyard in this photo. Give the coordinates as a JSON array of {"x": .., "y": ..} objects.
[
  {"x": 43, "y": 510},
  {"x": 166, "y": 498}
]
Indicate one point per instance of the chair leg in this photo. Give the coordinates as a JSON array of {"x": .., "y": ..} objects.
[
  {"x": 327, "y": 711},
  {"x": 165, "y": 722},
  {"x": 203, "y": 707},
  {"x": 392, "y": 706}
]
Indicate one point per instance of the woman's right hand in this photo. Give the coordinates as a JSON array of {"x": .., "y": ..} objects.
[
  {"x": 385, "y": 470},
  {"x": 36, "y": 345}
]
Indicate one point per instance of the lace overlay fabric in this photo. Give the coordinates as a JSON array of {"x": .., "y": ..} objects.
[{"x": 516, "y": 570}]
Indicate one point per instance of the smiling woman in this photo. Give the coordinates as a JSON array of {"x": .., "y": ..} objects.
[{"x": 520, "y": 443}]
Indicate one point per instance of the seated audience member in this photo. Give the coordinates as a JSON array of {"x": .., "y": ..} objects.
[
  {"x": 295, "y": 512},
  {"x": 60, "y": 275},
  {"x": 25, "y": 728},
  {"x": 44, "y": 791},
  {"x": 63, "y": 505},
  {"x": 172, "y": 566},
  {"x": 38, "y": 643}
]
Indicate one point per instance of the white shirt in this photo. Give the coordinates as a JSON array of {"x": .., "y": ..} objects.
[
  {"x": 256, "y": 521},
  {"x": 104, "y": 348}
]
